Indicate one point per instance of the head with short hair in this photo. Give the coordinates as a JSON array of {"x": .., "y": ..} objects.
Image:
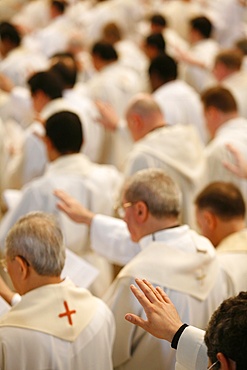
[
  {"x": 226, "y": 333},
  {"x": 154, "y": 45},
  {"x": 158, "y": 23},
  {"x": 57, "y": 7},
  {"x": 65, "y": 66},
  {"x": 150, "y": 202},
  {"x": 220, "y": 211},
  {"x": 157, "y": 190},
  {"x": 44, "y": 86},
  {"x": 202, "y": 25},
  {"x": 224, "y": 199},
  {"x": 48, "y": 82},
  {"x": 103, "y": 53},
  {"x": 219, "y": 107},
  {"x": 64, "y": 129},
  {"x": 111, "y": 33},
  {"x": 220, "y": 98},
  {"x": 227, "y": 62},
  {"x": 162, "y": 69},
  {"x": 10, "y": 38},
  {"x": 230, "y": 58},
  {"x": 37, "y": 238}
]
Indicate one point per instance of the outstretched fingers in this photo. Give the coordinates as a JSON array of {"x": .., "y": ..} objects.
[
  {"x": 162, "y": 319},
  {"x": 74, "y": 209},
  {"x": 63, "y": 196},
  {"x": 143, "y": 299},
  {"x": 149, "y": 291},
  {"x": 65, "y": 201},
  {"x": 163, "y": 296}
]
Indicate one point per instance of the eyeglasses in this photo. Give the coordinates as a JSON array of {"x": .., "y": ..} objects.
[
  {"x": 213, "y": 365},
  {"x": 3, "y": 262},
  {"x": 121, "y": 208}
]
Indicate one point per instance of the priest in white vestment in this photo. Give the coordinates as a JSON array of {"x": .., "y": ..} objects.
[
  {"x": 228, "y": 19},
  {"x": 48, "y": 97},
  {"x": 94, "y": 185},
  {"x": 196, "y": 64},
  {"x": 176, "y": 149},
  {"x": 54, "y": 37},
  {"x": 172, "y": 256},
  {"x": 29, "y": 158},
  {"x": 17, "y": 61},
  {"x": 115, "y": 84},
  {"x": 225, "y": 127},
  {"x": 220, "y": 210},
  {"x": 56, "y": 325},
  {"x": 75, "y": 95},
  {"x": 229, "y": 72},
  {"x": 179, "y": 102},
  {"x": 111, "y": 238}
]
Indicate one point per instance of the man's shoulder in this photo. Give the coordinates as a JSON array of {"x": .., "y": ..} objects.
[
  {"x": 104, "y": 173},
  {"x": 236, "y": 79},
  {"x": 233, "y": 131}
]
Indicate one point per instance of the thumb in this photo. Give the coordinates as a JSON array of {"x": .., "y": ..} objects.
[{"x": 136, "y": 320}]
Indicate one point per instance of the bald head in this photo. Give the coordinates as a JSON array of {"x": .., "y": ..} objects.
[{"x": 143, "y": 115}]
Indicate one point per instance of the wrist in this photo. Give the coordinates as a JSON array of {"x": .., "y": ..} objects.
[
  {"x": 87, "y": 218},
  {"x": 177, "y": 335},
  {"x": 8, "y": 296}
]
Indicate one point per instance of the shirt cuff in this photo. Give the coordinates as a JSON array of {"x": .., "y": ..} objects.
[{"x": 15, "y": 299}]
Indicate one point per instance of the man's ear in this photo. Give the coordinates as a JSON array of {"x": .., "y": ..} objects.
[
  {"x": 141, "y": 211},
  {"x": 22, "y": 267},
  {"x": 210, "y": 219},
  {"x": 225, "y": 363},
  {"x": 137, "y": 121},
  {"x": 213, "y": 113}
]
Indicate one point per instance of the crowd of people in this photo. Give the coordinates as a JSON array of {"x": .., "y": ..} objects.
[{"x": 123, "y": 138}]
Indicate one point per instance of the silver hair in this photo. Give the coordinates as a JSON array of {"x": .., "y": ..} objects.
[
  {"x": 157, "y": 190},
  {"x": 38, "y": 238}
]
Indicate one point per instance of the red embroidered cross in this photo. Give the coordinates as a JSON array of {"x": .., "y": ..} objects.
[{"x": 67, "y": 312}]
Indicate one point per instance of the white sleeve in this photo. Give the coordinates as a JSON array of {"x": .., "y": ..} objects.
[
  {"x": 191, "y": 351},
  {"x": 110, "y": 238}
]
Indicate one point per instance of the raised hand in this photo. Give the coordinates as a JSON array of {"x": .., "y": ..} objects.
[
  {"x": 163, "y": 320},
  {"x": 108, "y": 116},
  {"x": 239, "y": 168}
]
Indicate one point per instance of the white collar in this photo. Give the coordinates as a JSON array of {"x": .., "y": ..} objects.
[{"x": 162, "y": 235}]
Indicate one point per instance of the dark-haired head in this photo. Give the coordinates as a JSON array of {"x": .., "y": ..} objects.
[
  {"x": 162, "y": 69},
  {"x": 64, "y": 130}
]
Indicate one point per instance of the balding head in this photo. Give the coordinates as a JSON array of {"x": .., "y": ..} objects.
[{"x": 143, "y": 115}]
